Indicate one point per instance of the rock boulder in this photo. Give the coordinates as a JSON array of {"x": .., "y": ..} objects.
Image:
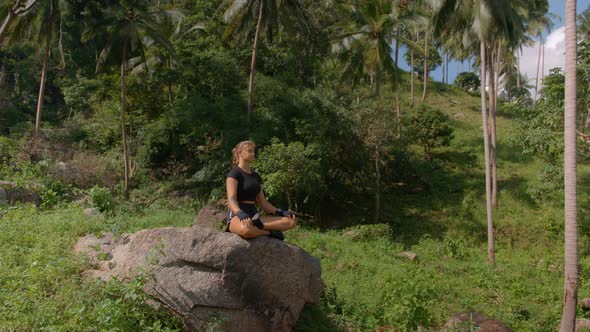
[
  {"x": 199, "y": 273},
  {"x": 210, "y": 217},
  {"x": 11, "y": 193}
]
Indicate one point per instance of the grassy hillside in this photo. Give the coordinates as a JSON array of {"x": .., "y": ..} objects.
[{"x": 368, "y": 286}]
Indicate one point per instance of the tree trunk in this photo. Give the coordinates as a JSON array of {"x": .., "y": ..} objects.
[
  {"x": 425, "y": 67},
  {"x": 397, "y": 48},
  {"x": 570, "y": 294},
  {"x": 398, "y": 113},
  {"x": 12, "y": 14},
  {"x": 2, "y": 74},
  {"x": 538, "y": 64},
  {"x": 443, "y": 68},
  {"x": 5, "y": 24},
  {"x": 517, "y": 70},
  {"x": 123, "y": 132},
  {"x": 253, "y": 64},
  {"x": 542, "y": 65},
  {"x": 447, "y": 72},
  {"x": 44, "y": 74},
  {"x": 169, "y": 83},
  {"x": 377, "y": 83},
  {"x": 493, "y": 72},
  {"x": 412, "y": 78},
  {"x": 377, "y": 185},
  {"x": 491, "y": 250},
  {"x": 497, "y": 72}
]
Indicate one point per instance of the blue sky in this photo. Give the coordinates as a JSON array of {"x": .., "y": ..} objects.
[{"x": 553, "y": 46}]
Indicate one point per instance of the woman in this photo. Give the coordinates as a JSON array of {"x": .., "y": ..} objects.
[{"x": 244, "y": 191}]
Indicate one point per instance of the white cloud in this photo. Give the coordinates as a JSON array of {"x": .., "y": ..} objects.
[{"x": 554, "y": 55}]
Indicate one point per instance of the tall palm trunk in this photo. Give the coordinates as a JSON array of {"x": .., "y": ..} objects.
[
  {"x": 491, "y": 250},
  {"x": 542, "y": 64},
  {"x": 425, "y": 66},
  {"x": 412, "y": 78},
  {"x": 123, "y": 131},
  {"x": 170, "y": 98},
  {"x": 6, "y": 23},
  {"x": 492, "y": 92},
  {"x": 517, "y": 70},
  {"x": 2, "y": 74},
  {"x": 570, "y": 294},
  {"x": 19, "y": 8},
  {"x": 538, "y": 65},
  {"x": 44, "y": 74},
  {"x": 447, "y": 72},
  {"x": 398, "y": 113},
  {"x": 377, "y": 185},
  {"x": 443, "y": 68},
  {"x": 397, "y": 49},
  {"x": 377, "y": 83},
  {"x": 253, "y": 64}
]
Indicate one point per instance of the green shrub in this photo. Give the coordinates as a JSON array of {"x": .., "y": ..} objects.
[
  {"x": 7, "y": 149},
  {"x": 429, "y": 128},
  {"x": 102, "y": 199},
  {"x": 407, "y": 299},
  {"x": 291, "y": 171},
  {"x": 468, "y": 81}
]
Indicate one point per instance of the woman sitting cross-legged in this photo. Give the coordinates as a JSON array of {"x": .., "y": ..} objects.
[{"x": 244, "y": 191}]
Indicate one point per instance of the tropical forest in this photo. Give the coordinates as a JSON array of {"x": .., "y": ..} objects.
[{"x": 419, "y": 165}]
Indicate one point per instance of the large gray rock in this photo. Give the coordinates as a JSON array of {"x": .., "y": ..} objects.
[
  {"x": 582, "y": 324},
  {"x": 13, "y": 193},
  {"x": 3, "y": 197},
  {"x": 199, "y": 273}
]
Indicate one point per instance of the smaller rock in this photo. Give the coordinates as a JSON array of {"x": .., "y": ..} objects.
[
  {"x": 92, "y": 212},
  {"x": 585, "y": 304},
  {"x": 62, "y": 166},
  {"x": 353, "y": 234},
  {"x": 411, "y": 256},
  {"x": 468, "y": 321},
  {"x": 3, "y": 196},
  {"x": 210, "y": 217},
  {"x": 582, "y": 324},
  {"x": 459, "y": 115}
]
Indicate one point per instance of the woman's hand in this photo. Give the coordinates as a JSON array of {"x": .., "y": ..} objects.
[
  {"x": 245, "y": 218},
  {"x": 285, "y": 213}
]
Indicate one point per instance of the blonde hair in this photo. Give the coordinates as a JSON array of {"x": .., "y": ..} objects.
[{"x": 235, "y": 159}]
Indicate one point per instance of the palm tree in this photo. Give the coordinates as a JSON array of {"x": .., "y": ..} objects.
[
  {"x": 584, "y": 24},
  {"x": 11, "y": 12},
  {"x": 132, "y": 24},
  {"x": 538, "y": 24},
  {"x": 366, "y": 42},
  {"x": 35, "y": 18},
  {"x": 485, "y": 19},
  {"x": 268, "y": 14},
  {"x": 570, "y": 296},
  {"x": 171, "y": 27}
]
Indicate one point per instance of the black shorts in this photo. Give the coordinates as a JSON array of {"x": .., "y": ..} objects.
[{"x": 250, "y": 209}]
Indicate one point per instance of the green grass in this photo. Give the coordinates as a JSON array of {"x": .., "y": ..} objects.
[
  {"x": 40, "y": 276},
  {"x": 368, "y": 286}
]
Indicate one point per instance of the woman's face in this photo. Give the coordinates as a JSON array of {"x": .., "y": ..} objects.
[{"x": 247, "y": 153}]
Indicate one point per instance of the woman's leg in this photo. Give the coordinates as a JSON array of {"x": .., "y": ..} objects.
[
  {"x": 278, "y": 223},
  {"x": 247, "y": 232}
]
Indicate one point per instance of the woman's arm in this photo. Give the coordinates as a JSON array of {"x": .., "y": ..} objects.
[
  {"x": 264, "y": 204},
  {"x": 231, "y": 186}
]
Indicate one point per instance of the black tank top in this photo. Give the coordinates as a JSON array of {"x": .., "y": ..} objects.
[{"x": 249, "y": 185}]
